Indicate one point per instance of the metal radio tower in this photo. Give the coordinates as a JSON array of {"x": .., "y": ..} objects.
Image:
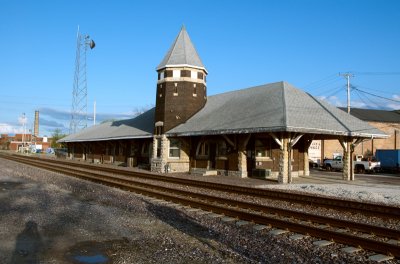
[{"x": 79, "y": 92}]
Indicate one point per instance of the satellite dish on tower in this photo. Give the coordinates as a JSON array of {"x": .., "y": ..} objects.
[{"x": 92, "y": 44}]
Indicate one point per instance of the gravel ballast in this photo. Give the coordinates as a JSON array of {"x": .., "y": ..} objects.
[{"x": 50, "y": 218}]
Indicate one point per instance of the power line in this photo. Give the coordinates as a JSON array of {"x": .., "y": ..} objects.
[
  {"x": 357, "y": 85},
  {"x": 382, "y": 97},
  {"x": 361, "y": 96},
  {"x": 336, "y": 91},
  {"x": 377, "y": 73}
]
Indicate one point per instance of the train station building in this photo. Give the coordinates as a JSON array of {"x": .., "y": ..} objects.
[{"x": 261, "y": 131}]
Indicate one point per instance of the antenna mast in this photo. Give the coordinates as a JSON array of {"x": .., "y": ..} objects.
[{"x": 79, "y": 92}]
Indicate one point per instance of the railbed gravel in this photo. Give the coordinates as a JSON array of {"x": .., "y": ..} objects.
[
  {"x": 350, "y": 216},
  {"x": 51, "y": 218}
]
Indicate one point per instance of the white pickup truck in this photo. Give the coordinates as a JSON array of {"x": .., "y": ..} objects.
[{"x": 360, "y": 166}]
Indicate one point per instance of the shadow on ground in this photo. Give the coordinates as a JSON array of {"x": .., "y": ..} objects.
[{"x": 29, "y": 245}]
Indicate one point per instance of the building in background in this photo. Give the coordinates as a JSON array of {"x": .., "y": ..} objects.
[
  {"x": 384, "y": 120},
  {"x": 27, "y": 141}
]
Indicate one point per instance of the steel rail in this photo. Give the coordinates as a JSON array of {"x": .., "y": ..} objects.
[
  {"x": 365, "y": 243},
  {"x": 385, "y": 211}
]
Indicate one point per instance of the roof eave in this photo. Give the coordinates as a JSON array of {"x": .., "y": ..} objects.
[
  {"x": 181, "y": 65},
  {"x": 105, "y": 139},
  {"x": 277, "y": 129}
]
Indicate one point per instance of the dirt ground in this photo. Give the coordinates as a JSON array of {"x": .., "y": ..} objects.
[{"x": 49, "y": 218}]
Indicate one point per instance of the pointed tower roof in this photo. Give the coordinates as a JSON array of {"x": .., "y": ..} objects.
[{"x": 182, "y": 53}]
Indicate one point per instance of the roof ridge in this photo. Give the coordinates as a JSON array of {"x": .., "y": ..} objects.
[
  {"x": 171, "y": 50},
  {"x": 183, "y": 30}
]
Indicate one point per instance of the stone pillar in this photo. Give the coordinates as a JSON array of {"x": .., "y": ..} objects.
[
  {"x": 306, "y": 164},
  {"x": 242, "y": 158},
  {"x": 307, "y": 144},
  {"x": 347, "y": 168},
  {"x": 242, "y": 162},
  {"x": 283, "y": 176},
  {"x": 159, "y": 160}
]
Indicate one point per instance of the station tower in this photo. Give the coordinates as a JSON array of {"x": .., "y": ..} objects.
[{"x": 181, "y": 85}]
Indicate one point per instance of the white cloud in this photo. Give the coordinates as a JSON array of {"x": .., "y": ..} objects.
[
  {"x": 358, "y": 104},
  {"x": 393, "y": 106},
  {"x": 10, "y": 129},
  {"x": 333, "y": 100}
]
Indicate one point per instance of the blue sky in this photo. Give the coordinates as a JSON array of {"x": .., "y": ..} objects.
[{"x": 241, "y": 43}]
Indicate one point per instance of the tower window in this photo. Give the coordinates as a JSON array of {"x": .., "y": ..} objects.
[
  {"x": 176, "y": 73},
  {"x": 161, "y": 75},
  {"x": 194, "y": 90},
  {"x": 176, "y": 90},
  {"x": 193, "y": 74}
]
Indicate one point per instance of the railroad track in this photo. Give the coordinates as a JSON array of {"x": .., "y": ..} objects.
[
  {"x": 371, "y": 209},
  {"x": 345, "y": 232}
]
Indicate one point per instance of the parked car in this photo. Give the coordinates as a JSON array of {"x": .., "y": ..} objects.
[{"x": 360, "y": 166}]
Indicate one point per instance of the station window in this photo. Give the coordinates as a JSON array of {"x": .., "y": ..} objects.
[
  {"x": 145, "y": 149},
  {"x": 121, "y": 149},
  {"x": 203, "y": 149},
  {"x": 221, "y": 149},
  {"x": 263, "y": 147},
  {"x": 174, "y": 149},
  {"x": 133, "y": 149}
]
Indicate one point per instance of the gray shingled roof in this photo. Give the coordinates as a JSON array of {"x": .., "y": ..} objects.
[
  {"x": 270, "y": 108},
  {"x": 267, "y": 108},
  {"x": 139, "y": 127},
  {"x": 376, "y": 115},
  {"x": 182, "y": 52}
]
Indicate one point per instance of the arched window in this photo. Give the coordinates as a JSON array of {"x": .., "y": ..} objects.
[{"x": 174, "y": 148}]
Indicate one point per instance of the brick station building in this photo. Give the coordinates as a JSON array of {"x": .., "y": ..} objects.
[{"x": 264, "y": 129}]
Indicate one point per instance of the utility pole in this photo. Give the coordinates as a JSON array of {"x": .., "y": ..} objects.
[{"x": 347, "y": 75}]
